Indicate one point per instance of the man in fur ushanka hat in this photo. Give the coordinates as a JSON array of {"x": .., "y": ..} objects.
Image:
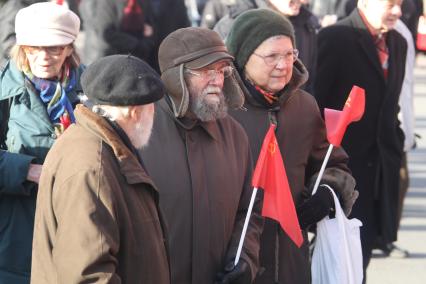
[{"x": 200, "y": 160}]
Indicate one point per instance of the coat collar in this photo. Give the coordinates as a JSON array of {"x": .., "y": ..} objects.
[
  {"x": 129, "y": 165},
  {"x": 365, "y": 39},
  {"x": 11, "y": 81}
]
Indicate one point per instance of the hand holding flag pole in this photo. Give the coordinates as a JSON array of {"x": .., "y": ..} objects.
[
  {"x": 270, "y": 174},
  {"x": 337, "y": 121},
  {"x": 246, "y": 221}
]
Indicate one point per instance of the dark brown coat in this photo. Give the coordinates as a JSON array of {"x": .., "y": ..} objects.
[
  {"x": 96, "y": 217},
  {"x": 203, "y": 173},
  {"x": 302, "y": 139}
]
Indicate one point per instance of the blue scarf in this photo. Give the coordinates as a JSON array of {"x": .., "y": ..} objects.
[{"x": 53, "y": 93}]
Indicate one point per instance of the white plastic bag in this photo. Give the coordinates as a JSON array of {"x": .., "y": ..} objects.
[{"x": 337, "y": 256}]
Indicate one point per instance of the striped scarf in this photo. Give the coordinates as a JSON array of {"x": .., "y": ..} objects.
[
  {"x": 53, "y": 93},
  {"x": 266, "y": 98}
]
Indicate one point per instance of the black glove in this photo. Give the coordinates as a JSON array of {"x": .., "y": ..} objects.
[
  {"x": 240, "y": 274},
  {"x": 316, "y": 207},
  {"x": 343, "y": 185}
]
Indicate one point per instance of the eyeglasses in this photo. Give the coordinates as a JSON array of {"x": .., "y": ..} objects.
[
  {"x": 211, "y": 73},
  {"x": 52, "y": 50},
  {"x": 294, "y": 2},
  {"x": 274, "y": 58}
]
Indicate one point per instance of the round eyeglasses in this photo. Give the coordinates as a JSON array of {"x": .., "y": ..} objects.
[
  {"x": 274, "y": 58},
  {"x": 211, "y": 73},
  {"x": 52, "y": 50}
]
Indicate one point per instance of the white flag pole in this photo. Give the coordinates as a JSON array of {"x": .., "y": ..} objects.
[
  {"x": 243, "y": 233},
  {"x": 324, "y": 163}
]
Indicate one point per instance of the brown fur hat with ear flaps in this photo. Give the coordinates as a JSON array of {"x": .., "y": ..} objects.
[{"x": 193, "y": 48}]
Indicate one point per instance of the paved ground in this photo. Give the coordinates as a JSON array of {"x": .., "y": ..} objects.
[{"x": 412, "y": 234}]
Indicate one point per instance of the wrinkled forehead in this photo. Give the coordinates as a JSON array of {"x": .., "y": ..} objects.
[
  {"x": 389, "y": 2},
  {"x": 217, "y": 64},
  {"x": 279, "y": 41}
]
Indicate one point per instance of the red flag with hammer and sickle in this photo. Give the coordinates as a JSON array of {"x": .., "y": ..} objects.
[
  {"x": 337, "y": 121},
  {"x": 270, "y": 175}
]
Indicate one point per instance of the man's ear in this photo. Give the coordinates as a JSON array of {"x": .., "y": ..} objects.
[{"x": 133, "y": 113}]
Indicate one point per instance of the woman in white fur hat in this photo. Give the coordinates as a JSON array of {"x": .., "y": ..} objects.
[{"x": 38, "y": 92}]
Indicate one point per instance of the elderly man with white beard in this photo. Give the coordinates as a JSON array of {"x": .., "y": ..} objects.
[
  {"x": 97, "y": 217},
  {"x": 199, "y": 158}
]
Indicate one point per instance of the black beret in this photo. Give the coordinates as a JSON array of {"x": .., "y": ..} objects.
[
  {"x": 121, "y": 80},
  {"x": 253, "y": 27}
]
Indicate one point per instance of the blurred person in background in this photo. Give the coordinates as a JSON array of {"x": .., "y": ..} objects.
[
  {"x": 214, "y": 11},
  {"x": 39, "y": 88},
  {"x": 176, "y": 14},
  {"x": 305, "y": 25},
  {"x": 8, "y": 11},
  {"x": 407, "y": 119},
  {"x": 328, "y": 11},
  {"x": 117, "y": 27},
  {"x": 411, "y": 11}
]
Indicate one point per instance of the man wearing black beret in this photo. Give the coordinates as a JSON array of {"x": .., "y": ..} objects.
[
  {"x": 97, "y": 217},
  {"x": 199, "y": 157}
]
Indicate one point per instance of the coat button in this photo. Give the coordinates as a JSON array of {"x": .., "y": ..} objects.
[{"x": 53, "y": 135}]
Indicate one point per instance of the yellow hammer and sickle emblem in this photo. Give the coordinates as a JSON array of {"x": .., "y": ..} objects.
[
  {"x": 272, "y": 147},
  {"x": 348, "y": 102}
]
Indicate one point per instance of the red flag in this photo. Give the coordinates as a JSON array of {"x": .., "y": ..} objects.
[
  {"x": 337, "y": 121},
  {"x": 270, "y": 175}
]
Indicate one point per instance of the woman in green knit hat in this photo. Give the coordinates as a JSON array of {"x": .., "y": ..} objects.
[{"x": 271, "y": 75}]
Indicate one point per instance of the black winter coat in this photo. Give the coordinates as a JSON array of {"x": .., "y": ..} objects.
[
  {"x": 203, "y": 173},
  {"x": 347, "y": 56},
  {"x": 169, "y": 16},
  {"x": 306, "y": 26},
  {"x": 104, "y": 36}
]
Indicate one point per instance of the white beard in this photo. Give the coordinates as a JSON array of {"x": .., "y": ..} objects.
[
  {"x": 208, "y": 107},
  {"x": 140, "y": 133}
]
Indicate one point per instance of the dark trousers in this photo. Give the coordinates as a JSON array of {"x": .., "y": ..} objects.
[{"x": 404, "y": 183}]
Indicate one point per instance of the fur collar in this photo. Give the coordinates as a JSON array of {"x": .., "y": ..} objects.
[{"x": 128, "y": 162}]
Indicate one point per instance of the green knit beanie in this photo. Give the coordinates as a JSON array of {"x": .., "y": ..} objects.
[{"x": 253, "y": 27}]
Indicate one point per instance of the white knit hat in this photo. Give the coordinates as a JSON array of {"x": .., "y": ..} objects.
[{"x": 46, "y": 24}]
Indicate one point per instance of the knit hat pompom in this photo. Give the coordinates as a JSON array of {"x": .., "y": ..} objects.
[{"x": 253, "y": 27}]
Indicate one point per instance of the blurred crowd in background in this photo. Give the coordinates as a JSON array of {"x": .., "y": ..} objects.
[{"x": 139, "y": 26}]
